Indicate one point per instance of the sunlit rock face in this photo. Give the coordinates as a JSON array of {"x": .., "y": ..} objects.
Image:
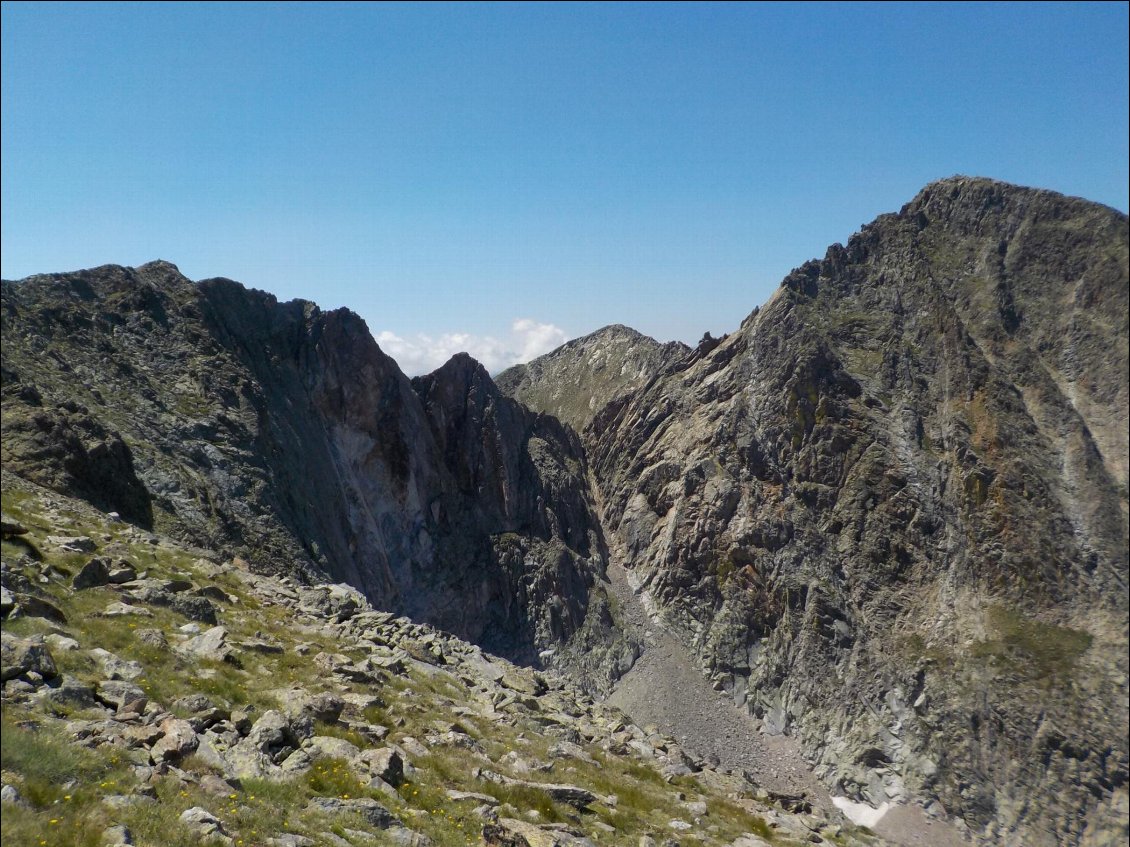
[
  {"x": 889, "y": 513},
  {"x": 575, "y": 381}
]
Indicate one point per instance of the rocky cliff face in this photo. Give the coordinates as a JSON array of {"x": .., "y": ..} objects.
[
  {"x": 284, "y": 434},
  {"x": 578, "y": 379},
  {"x": 890, "y": 513}
]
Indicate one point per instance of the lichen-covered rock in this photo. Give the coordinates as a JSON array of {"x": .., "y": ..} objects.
[
  {"x": 177, "y": 741},
  {"x": 211, "y": 644},
  {"x": 119, "y": 693},
  {"x": 206, "y": 825},
  {"x": 21, "y": 656},
  {"x": 370, "y": 811},
  {"x": 384, "y": 763}
]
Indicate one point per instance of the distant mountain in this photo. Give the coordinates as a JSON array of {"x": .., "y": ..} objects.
[{"x": 579, "y": 378}]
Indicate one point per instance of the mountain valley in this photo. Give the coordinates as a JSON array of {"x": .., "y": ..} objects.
[{"x": 866, "y": 553}]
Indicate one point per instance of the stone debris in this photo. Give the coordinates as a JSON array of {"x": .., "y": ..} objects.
[{"x": 225, "y": 746}]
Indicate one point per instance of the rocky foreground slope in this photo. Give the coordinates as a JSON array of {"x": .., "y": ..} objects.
[
  {"x": 889, "y": 514},
  {"x": 166, "y": 696}
]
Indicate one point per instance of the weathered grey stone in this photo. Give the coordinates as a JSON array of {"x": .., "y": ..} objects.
[
  {"x": 70, "y": 692},
  {"x": 211, "y": 644},
  {"x": 383, "y": 763},
  {"x": 121, "y": 572},
  {"x": 19, "y": 656},
  {"x": 329, "y": 747},
  {"x": 412, "y": 746},
  {"x": 94, "y": 573},
  {"x": 119, "y": 693},
  {"x": 118, "y": 609},
  {"x": 324, "y": 706},
  {"x": 370, "y": 810},
  {"x": 60, "y": 643},
  {"x": 178, "y": 741},
  {"x": 206, "y": 825},
  {"x": 154, "y": 638},
  {"x": 114, "y": 667}
]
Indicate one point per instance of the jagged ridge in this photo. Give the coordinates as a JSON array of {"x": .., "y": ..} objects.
[{"x": 285, "y": 434}]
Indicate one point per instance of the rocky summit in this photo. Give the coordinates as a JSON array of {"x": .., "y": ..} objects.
[
  {"x": 581, "y": 377},
  {"x": 855, "y": 573}
]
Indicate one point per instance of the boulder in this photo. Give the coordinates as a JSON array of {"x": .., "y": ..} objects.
[
  {"x": 115, "y": 667},
  {"x": 330, "y": 747},
  {"x": 153, "y": 638},
  {"x": 70, "y": 693},
  {"x": 211, "y": 644},
  {"x": 325, "y": 706},
  {"x": 178, "y": 741},
  {"x": 20, "y": 656},
  {"x": 206, "y": 825},
  {"x": 94, "y": 573},
  {"x": 121, "y": 571},
  {"x": 119, "y": 693},
  {"x": 370, "y": 810},
  {"x": 385, "y": 764}
]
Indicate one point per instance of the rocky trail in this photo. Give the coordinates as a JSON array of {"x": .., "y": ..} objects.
[{"x": 665, "y": 688}]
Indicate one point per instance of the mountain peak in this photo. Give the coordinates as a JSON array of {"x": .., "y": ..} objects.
[{"x": 580, "y": 377}]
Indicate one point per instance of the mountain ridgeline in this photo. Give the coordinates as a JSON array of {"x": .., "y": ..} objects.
[
  {"x": 284, "y": 435},
  {"x": 888, "y": 515}
]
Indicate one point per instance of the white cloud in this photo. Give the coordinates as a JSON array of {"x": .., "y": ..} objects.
[{"x": 422, "y": 353}]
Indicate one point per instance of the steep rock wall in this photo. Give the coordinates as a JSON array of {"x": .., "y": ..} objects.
[
  {"x": 285, "y": 435},
  {"x": 890, "y": 512}
]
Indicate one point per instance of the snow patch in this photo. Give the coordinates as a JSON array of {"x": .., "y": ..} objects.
[{"x": 861, "y": 814}]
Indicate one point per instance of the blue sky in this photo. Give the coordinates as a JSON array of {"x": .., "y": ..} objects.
[{"x": 501, "y": 177}]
